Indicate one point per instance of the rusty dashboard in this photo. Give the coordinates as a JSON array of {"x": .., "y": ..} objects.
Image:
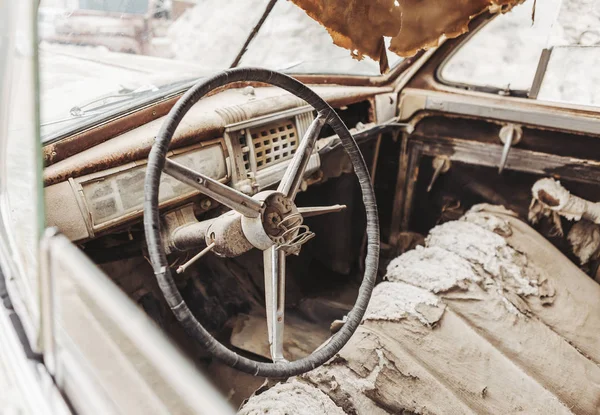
[{"x": 101, "y": 189}]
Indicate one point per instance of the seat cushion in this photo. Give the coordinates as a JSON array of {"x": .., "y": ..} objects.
[{"x": 487, "y": 317}]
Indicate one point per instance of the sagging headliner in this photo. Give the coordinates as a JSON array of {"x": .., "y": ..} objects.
[{"x": 412, "y": 25}]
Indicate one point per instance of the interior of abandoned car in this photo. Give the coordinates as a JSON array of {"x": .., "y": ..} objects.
[{"x": 322, "y": 207}]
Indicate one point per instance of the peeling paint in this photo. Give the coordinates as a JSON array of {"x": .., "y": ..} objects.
[
  {"x": 433, "y": 269},
  {"x": 485, "y": 216},
  {"x": 291, "y": 397},
  {"x": 393, "y": 301},
  {"x": 508, "y": 268}
]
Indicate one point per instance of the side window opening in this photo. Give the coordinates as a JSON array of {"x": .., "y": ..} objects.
[{"x": 502, "y": 57}]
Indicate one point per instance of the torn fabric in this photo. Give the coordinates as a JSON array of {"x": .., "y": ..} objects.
[{"x": 412, "y": 25}]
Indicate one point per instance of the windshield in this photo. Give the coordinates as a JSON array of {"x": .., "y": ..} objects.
[{"x": 100, "y": 57}]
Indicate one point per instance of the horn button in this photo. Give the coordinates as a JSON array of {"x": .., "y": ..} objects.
[{"x": 279, "y": 224}]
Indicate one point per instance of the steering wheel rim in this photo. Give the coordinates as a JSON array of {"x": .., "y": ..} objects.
[{"x": 156, "y": 163}]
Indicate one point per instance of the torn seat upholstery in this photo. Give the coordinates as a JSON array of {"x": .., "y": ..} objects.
[{"x": 487, "y": 317}]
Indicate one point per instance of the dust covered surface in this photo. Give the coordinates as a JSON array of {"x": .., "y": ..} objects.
[
  {"x": 412, "y": 25},
  {"x": 472, "y": 254},
  {"x": 489, "y": 253},
  {"x": 434, "y": 269},
  {"x": 488, "y": 315},
  {"x": 392, "y": 301},
  {"x": 552, "y": 195},
  {"x": 584, "y": 238},
  {"x": 552, "y": 200},
  {"x": 292, "y": 397}
]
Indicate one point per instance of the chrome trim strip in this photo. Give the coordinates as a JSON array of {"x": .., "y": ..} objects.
[{"x": 266, "y": 119}]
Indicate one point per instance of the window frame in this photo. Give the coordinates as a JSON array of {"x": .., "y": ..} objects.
[
  {"x": 531, "y": 95},
  {"x": 24, "y": 288},
  {"x": 519, "y": 93}
]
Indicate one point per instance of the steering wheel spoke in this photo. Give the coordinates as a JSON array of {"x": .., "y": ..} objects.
[
  {"x": 295, "y": 172},
  {"x": 308, "y": 212},
  {"x": 223, "y": 194},
  {"x": 274, "y": 262}
]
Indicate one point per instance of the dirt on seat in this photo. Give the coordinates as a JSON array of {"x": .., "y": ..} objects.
[{"x": 488, "y": 317}]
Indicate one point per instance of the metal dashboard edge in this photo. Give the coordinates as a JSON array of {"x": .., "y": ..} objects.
[{"x": 513, "y": 110}]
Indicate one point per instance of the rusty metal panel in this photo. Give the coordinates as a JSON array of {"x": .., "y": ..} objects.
[{"x": 207, "y": 120}]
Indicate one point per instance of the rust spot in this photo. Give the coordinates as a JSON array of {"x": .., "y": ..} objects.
[
  {"x": 547, "y": 198},
  {"x": 107, "y": 146}
]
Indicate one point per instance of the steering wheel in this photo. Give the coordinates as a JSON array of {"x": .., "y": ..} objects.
[{"x": 269, "y": 220}]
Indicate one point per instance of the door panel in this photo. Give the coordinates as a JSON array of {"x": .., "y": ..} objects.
[{"x": 107, "y": 356}]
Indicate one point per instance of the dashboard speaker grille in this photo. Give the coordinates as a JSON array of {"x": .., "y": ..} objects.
[{"x": 274, "y": 143}]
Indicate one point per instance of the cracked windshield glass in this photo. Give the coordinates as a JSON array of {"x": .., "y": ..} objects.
[{"x": 101, "y": 57}]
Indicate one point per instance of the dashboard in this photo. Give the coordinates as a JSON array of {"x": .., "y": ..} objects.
[
  {"x": 251, "y": 156},
  {"x": 245, "y": 137}
]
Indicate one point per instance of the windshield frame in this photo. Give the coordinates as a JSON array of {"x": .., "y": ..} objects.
[{"x": 478, "y": 24}]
